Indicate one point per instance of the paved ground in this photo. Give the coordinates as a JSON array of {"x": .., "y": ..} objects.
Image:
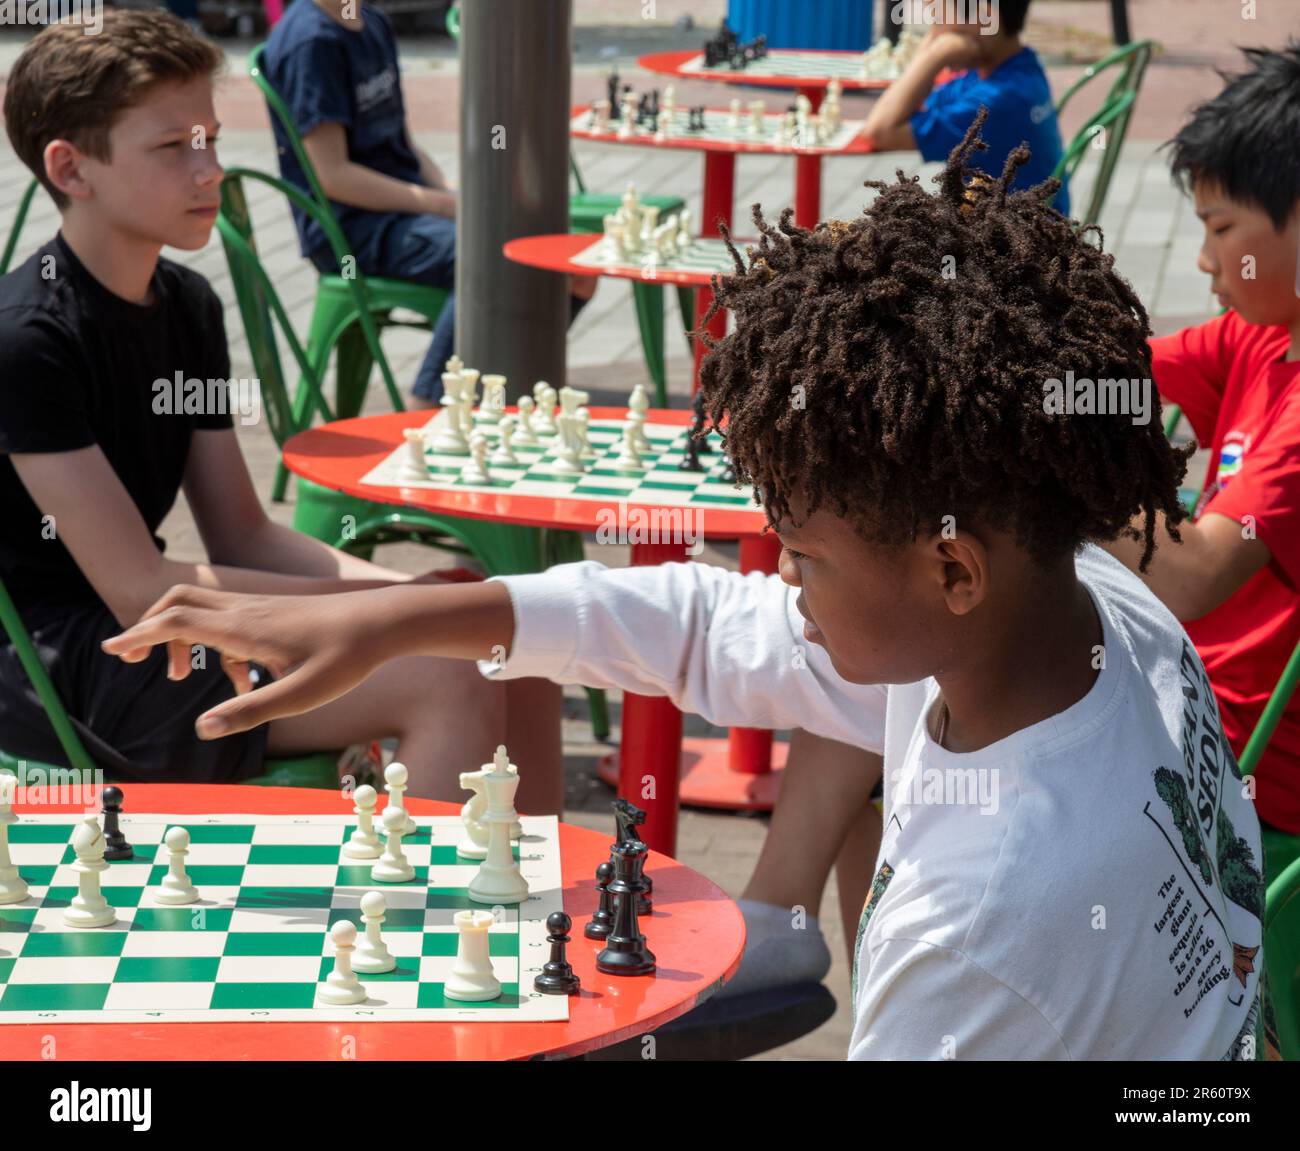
[{"x": 1147, "y": 223}]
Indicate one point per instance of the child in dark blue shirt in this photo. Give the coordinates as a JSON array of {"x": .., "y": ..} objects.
[
  {"x": 335, "y": 64},
  {"x": 1001, "y": 75}
]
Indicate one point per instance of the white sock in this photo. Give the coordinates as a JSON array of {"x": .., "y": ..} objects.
[{"x": 777, "y": 953}]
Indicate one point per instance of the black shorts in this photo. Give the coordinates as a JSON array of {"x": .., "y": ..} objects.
[{"x": 136, "y": 724}]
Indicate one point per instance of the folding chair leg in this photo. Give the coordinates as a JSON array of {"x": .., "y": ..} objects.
[
  {"x": 353, "y": 362},
  {"x": 649, "y": 301},
  {"x": 686, "y": 304}
]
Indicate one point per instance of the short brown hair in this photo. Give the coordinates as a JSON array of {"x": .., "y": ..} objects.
[{"x": 68, "y": 85}]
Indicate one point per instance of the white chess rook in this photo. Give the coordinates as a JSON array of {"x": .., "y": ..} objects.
[
  {"x": 13, "y": 887},
  {"x": 363, "y": 843},
  {"x": 89, "y": 908},
  {"x": 395, "y": 780},
  {"x": 393, "y": 866},
  {"x": 471, "y": 978},
  {"x": 176, "y": 887},
  {"x": 372, "y": 955},
  {"x": 494, "y": 395},
  {"x": 414, "y": 464},
  {"x": 341, "y": 986}
]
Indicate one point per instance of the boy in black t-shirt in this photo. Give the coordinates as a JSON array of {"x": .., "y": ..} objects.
[{"x": 96, "y": 441}]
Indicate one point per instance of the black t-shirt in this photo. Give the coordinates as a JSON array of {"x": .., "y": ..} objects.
[{"x": 78, "y": 366}]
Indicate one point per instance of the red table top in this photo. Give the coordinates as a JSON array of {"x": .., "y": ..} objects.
[
  {"x": 857, "y": 145},
  {"x": 556, "y": 252},
  {"x": 696, "y": 932},
  {"x": 671, "y": 64},
  {"x": 337, "y": 455}
]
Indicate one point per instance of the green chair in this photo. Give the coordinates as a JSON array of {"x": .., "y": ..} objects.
[
  {"x": 587, "y": 212},
  {"x": 24, "y": 205},
  {"x": 343, "y": 303},
  {"x": 503, "y": 549},
  {"x": 1110, "y": 121},
  {"x": 1282, "y": 957},
  {"x": 319, "y": 770}
]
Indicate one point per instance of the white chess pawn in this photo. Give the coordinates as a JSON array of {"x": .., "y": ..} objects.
[
  {"x": 176, "y": 887},
  {"x": 372, "y": 955},
  {"x": 665, "y": 126},
  {"x": 471, "y": 978},
  {"x": 756, "y": 110},
  {"x": 341, "y": 986},
  {"x": 733, "y": 116},
  {"x": 629, "y": 460},
  {"x": 684, "y": 237},
  {"x": 475, "y": 472},
  {"x": 13, "y": 887},
  {"x": 524, "y": 433},
  {"x": 627, "y": 118},
  {"x": 638, "y": 405},
  {"x": 413, "y": 467},
  {"x": 788, "y": 128},
  {"x": 545, "y": 420},
  {"x": 395, "y": 779},
  {"x": 363, "y": 843},
  {"x": 393, "y": 866},
  {"x": 89, "y": 908},
  {"x": 494, "y": 396},
  {"x": 504, "y": 455}
]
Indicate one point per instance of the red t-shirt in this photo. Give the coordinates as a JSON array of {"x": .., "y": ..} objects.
[{"x": 1243, "y": 401}]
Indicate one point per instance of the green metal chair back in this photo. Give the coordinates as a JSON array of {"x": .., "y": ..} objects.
[
  {"x": 1282, "y": 957},
  {"x": 24, "y": 204},
  {"x": 1109, "y": 123},
  {"x": 320, "y": 770}
]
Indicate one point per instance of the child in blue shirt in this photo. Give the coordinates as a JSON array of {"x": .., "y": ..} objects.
[{"x": 1001, "y": 75}]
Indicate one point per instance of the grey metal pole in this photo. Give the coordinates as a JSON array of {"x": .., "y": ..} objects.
[{"x": 515, "y": 58}]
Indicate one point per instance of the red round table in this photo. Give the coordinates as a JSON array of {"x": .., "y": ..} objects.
[
  {"x": 742, "y": 772},
  {"x": 720, "y": 165},
  {"x": 695, "y": 931},
  {"x": 556, "y": 252}
]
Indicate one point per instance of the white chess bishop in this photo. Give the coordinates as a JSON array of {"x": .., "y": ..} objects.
[
  {"x": 13, "y": 887},
  {"x": 499, "y": 879},
  {"x": 89, "y": 908}
]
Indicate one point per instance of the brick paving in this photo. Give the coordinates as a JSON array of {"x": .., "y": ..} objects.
[{"x": 1147, "y": 223}]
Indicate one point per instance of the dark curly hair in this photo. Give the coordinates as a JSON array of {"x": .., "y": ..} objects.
[{"x": 920, "y": 337}]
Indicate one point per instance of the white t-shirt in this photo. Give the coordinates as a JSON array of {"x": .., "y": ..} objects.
[{"x": 1088, "y": 888}]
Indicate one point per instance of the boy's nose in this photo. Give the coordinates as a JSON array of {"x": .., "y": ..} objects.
[
  {"x": 1205, "y": 262},
  {"x": 788, "y": 570}
]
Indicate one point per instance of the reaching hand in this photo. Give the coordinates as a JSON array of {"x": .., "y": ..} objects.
[{"x": 318, "y": 647}]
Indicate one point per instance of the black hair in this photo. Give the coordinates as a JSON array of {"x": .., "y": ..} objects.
[
  {"x": 1011, "y": 16},
  {"x": 1247, "y": 138},
  {"x": 919, "y": 338}
]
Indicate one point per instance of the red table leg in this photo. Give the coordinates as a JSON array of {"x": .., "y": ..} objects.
[
  {"x": 719, "y": 191},
  {"x": 808, "y": 177},
  {"x": 717, "y": 329}
]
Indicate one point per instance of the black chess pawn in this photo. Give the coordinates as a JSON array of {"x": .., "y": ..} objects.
[
  {"x": 625, "y": 951},
  {"x": 728, "y": 473},
  {"x": 611, "y": 92},
  {"x": 760, "y": 44},
  {"x": 116, "y": 847},
  {"x": 557, "y": 976},
  {"x": 603, "y": 918}
]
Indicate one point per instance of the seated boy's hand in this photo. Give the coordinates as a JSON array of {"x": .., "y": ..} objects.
[
  {"x": 952, "y": 50},
  {"x": 318, "y": 647}
]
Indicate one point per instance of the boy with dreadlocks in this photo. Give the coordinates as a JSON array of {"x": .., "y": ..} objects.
[{"x": 1070, "y": 865}]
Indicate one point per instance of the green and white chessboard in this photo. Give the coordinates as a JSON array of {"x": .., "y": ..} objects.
[
  {"x": 706, "y": 254},
  {"x": 793, "y": 62},
  {"x": 718, "y": 126},
  {"x": 659, "y": 482},
  {"x": 256, "y": 945}
]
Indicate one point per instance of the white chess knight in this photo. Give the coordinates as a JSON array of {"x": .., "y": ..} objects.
[
  {"x": 372, "y": 955},
  {"x": 568, "y": 453},
  {"x": 395, "y": 780},
  {"x": 176, "y": 887},
  {"x": 474, "y": 843},
  {"x": 341, "y": 986},
  {"x": 504, "y": 456},
  {"x": 413, "y": 467},
  {"x": 89, "y": 908},
  {"x": 471, "y": 978},
  {"x": 476, "y": 471},
  {"x": 499, "y": 879},
  {"x": 581, "y": 434},
  {"x": 13, "y": 887},
  {"x": 363, "y": 843},
  {"x": 393, "y": 866}
]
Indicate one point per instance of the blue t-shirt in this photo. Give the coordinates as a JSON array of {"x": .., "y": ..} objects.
[
  {"x": 328, "y": 74},
  {"x": 1019, "y": 101}
]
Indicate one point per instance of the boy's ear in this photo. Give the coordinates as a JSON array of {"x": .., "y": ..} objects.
[
  {"x": 63, "y": 162},
  {"x": 961, "y": 569}
]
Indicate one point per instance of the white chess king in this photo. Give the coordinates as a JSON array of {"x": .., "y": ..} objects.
[{"x": 499, "y": 879}]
